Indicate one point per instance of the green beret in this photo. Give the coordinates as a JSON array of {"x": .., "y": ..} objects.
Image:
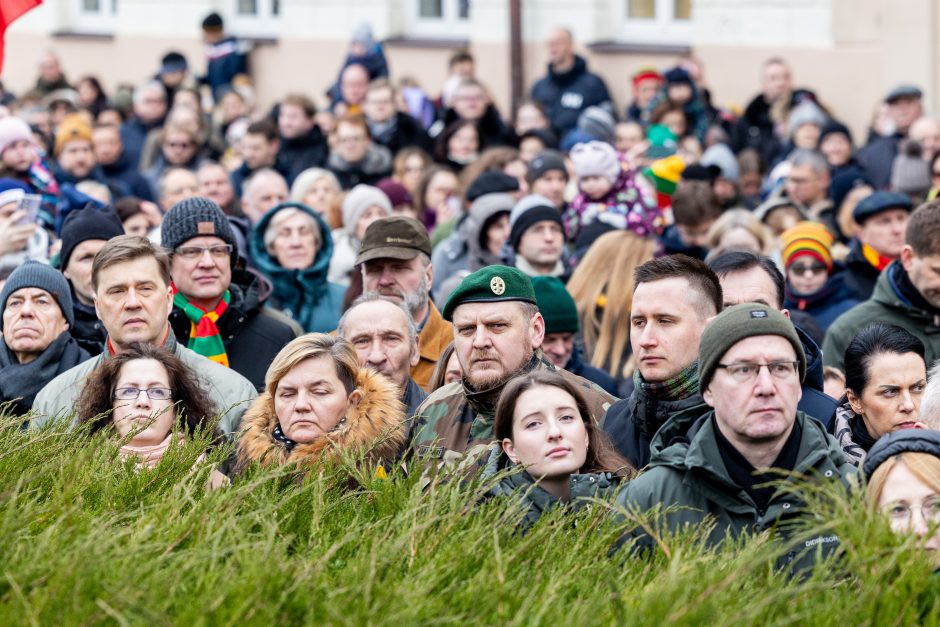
[
  {"x": 737, "y": 323},
  {"x": 491, "y": 284},
  {"x": 556, "y": 305}
]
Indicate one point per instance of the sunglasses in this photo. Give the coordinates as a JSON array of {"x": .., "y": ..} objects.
[{"x": 801, "y": 269}]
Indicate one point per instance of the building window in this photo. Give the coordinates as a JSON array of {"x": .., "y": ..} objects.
[
  {"x": 439, "y": 19},
  {"x": 258, "y": 18},
  {"x": 654, "y": 21},
  {"x": 92, "y": 16}
]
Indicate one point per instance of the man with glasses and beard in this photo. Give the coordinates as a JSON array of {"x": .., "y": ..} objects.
[{"x": 395, "y": 258}]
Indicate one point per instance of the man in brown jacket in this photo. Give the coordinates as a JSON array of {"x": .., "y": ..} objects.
[{"x": 395, "y": 257}]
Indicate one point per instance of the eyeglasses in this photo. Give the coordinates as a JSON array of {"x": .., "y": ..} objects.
[
  {"x": 901, "y": 512},
  {"x": 192, "y": 253},
  {"x": 746, "y": 372},
  {"x": 132, "y": 394},
  {"x": 800, "y": 269}
]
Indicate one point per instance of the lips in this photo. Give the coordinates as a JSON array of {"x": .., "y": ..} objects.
[
  {"x": 134, "y": 321},
  {"x": 558, "y": 451}
]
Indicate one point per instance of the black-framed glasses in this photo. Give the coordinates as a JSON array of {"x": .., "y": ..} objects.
[
  {"x": 132, "y": 394},
  {"x": 800, "y": 269},
  {"x": 745, "y": 372},
  {"x": 192, "y": 253}
]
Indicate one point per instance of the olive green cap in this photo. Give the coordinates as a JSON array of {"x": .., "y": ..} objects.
[{"x": 491, "y": 284}]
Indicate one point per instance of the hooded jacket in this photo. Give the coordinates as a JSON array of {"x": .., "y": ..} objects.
[
  {"x": 304, "y": 295},
  {"x": 564, "y": 95},
  {"x": 536, "y": 500},
  {"x": 689, "y": 472},
  {"x": 376, "y": 165},
  {"x": 252, "y": 333},
  {"x": 463, "y": 250},
  {"x": 376, "y": 426},
  {"x": 885, "y": 305},
  {"x": 229, "y": 391}
]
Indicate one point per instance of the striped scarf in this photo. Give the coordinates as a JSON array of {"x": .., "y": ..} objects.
[
  {"x": 204, "y": 337},
  {"x": 683, "y": 385}
]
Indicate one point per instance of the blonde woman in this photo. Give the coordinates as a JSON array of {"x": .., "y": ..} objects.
[
  {"x": 602, "y": 288},
  {"x": 319, "y": 189},
  {"x": 317, "y": 404},
  {"x": 740, "y": 229}
]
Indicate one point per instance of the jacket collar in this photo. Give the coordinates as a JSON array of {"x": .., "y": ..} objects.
[{"x": 434, "y": 326}]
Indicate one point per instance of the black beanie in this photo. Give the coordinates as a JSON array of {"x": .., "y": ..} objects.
[
  {"x": 212, "y": 22},
  {"x": 39, "y": 275},
  {"x": 528, "y": 211},
  {"x": 85, "y": 224},
  {"x": 491, "y": 182},
  {"x": 194, "y": 217}
]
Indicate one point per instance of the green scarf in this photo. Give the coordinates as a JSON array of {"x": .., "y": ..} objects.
[
  {"x": 204, "y": 336},
  {"x": 683, "y": 385}
]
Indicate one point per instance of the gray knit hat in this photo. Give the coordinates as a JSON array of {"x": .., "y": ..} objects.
[
  {"x": 360, "y": 198},
  {"x": 195, "y": 217},
  {"x": 41, "y": 276},
  {"x": 737, "y": 323}
]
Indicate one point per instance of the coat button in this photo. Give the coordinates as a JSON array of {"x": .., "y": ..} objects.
[
  {"x": 828, "y": 473},
  {"x": 786, "y": 506}
]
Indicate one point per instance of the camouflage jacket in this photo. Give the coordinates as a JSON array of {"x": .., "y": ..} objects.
[{"x": 456, "y": 419}]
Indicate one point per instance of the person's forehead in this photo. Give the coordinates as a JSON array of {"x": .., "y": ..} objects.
[
  {"x": 309, "y": 370},
  {"x": 133, "y": 270},
  {"x": 748, "y": 286},
  {"x": 662, "y": 295},
  {"x": 30, "y": 293},
  {"x": 180, "y": 178},
  {"x": 759, "y": 348},
  {"x": 473, "y": 312},
  {"x": 376, "y": 317}
]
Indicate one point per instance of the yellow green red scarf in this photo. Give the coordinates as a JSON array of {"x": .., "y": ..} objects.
[
  {"x": 204, "y": 337},
  {"x": 875, "y": 258}
]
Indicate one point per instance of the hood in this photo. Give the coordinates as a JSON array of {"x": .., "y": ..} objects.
[
  {"x": 471, "y": 230},
  {"x": 888, "y": 294},
  {"x": 378, "y": 160},
  {"x": 267, "y": 264},
  {"x": 565, "y": 78},
  {"x": 376, "y": 427},
  {"x": 814, "y": 362}
]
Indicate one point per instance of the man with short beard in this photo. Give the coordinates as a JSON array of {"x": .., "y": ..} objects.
[
  {"x": 395, "y": 257},
  {"x": 497, "y": 327}
]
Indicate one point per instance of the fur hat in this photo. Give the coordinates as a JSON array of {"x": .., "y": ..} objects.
[{"x": 596, "y": 159}]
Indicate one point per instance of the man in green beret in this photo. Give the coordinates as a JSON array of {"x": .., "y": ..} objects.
[
  {"x": 497, "y": 332},
  {"x": 561, "y": 327},
  {"x": 751, "y": 364}
]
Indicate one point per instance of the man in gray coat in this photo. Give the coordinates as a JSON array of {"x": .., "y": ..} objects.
[{"x": 133, "y": 299}]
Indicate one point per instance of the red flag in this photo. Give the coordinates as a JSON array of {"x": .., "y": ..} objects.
[{"x": 9, "y": 11}]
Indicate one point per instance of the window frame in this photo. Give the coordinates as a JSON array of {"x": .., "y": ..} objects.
[
  {"x": 103, "y": 21},
  {"x": 448, "y": 26},
  {"x": 662, "y": 29},
  {"x": 263, "y": 23}
]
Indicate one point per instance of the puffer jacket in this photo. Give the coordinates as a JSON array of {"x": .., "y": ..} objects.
[
  {"x": 375, "y": 427},
  {"x": 303, "y": 295}
]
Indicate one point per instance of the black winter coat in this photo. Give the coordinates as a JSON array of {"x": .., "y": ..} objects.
[
  {"x": 301, "y": 153},
  {"x": 565, "y": 95},
  {"x": 406, "y": 132},
  {"x": 860, "y": 275},
  {"x": 252, "y": 333}
]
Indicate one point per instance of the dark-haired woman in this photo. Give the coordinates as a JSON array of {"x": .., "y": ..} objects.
[
  {"x": 885, "y": 377},
  {"x": 150, "y": 399},
  {"x": 543, "y": 426}
]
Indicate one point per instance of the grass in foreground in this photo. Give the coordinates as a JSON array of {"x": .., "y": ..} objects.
[{"x": 87, "y": 540}]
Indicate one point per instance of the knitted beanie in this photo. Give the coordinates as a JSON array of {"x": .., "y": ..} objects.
[
  {"x": 910, "y": 173},
  {"x": 807, "y": 238},
  {"x": 531, "y": 209},
  {"x": 491, "y": 182},
  {"x": 41, "y": 276},
  {"x": 665, "y": 175},
  {"x": 663, "y": 142},
  {"x": 738, "y": 323},
  {"x": 73, "y": 127},
  {"x": 13, "y": 129},
  {"x": 360, "y": 198},
  {"x": 597, "y": 123},
  {"x": 11, "y": 190},
  {"x": 596, "y": 159},
  {"x": 807, "y": 112},
  {"x": 720, "y": 155},
  {"x": 87, "y": 224},
  {"x": 398, "y": 194},
  {"x": 195, "y": 217},
  {"x": 544, "y": 162},
  {"x": 556, "y": 305}
]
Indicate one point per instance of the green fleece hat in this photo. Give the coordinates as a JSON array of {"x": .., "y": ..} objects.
[
  {"x": 556, "y": 305},
  {"x": 737, "y": 323},
  {"x": 488, "y": 285}
]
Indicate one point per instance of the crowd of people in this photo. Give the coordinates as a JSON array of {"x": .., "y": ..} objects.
[{"x": 674, "y": 304}]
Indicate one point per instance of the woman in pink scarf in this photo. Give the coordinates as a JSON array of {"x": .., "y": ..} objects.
[{"x": 151, "y": 398}]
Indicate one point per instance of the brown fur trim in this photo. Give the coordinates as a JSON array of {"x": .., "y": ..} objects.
[{"x": 375, "y": 427}]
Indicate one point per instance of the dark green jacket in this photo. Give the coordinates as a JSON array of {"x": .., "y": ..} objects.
[
  {"x": 535, "y": 499},
  {"x": 689, "y": 472},
  {"x": 885, "y": 305}
]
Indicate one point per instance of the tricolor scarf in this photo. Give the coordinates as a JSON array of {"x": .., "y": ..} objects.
[
  {"x": 204, "y": 337},
  {"x": 875, "y": 258},
  {"x": 681, "y": 386}
]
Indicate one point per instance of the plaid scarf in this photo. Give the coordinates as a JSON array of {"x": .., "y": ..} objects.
[
  {"x": 681, "y": 386},
  {"x": 204, "y": 337}
]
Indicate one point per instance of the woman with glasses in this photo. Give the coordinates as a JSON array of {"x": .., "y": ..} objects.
[
  {"x": 815, "y": 283},
  {"x": 149, "y": 400},
  {"x": 903, "y": 475},
  {"x": 885, "y": 377}
]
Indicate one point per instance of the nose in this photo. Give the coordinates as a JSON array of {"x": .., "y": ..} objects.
[
  {"x": 26, "y": 309},
  {"x": 205, "y": 259},
  {"x": 143, "y": 399},
  {"x": 918, "y": 523},
  {"x": 132, "y": 301},
  {"x": 302, "y": 404},
  {"x": 647, "y": 338},
  {"x": 376, "y": 354},
  {"x": 765, "y": 382},
  {"x": 907, "y": 402},
  {"x": 387, "y": 277},
  {"x": 553, "y": 432},
  {"x": 481, "y": 338}
]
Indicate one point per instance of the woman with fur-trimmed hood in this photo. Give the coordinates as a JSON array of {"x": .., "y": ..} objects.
[{"x": 318, "y": 404}]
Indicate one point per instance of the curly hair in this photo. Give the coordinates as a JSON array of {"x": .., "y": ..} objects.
[{"x": 193, "y": 407}]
